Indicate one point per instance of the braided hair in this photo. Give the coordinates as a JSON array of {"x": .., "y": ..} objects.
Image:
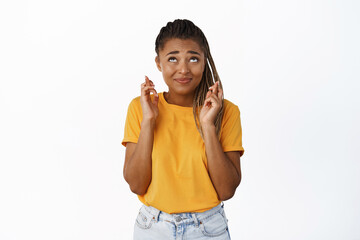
[{"x": 185, "y": 29}]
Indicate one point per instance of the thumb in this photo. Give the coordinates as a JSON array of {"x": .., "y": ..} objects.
[
  {"x": 208, "y": 94},
  {"x": 156, "y": 100},
  {"x": 207, "y": 103}
]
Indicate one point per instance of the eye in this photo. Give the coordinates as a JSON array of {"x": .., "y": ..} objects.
[
  {"x": 172, "y": 59},
  {"x": 194, "y": 59}
]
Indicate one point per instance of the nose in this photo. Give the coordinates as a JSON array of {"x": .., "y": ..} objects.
[{"x": 183, "y": 67}]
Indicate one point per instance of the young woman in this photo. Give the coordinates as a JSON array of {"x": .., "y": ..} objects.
[{"x": 183, "y": 146}]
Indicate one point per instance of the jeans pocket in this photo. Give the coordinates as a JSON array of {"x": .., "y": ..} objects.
[
  {"x": 143, "y": 221},
  {"x": 214, "y": 226}
]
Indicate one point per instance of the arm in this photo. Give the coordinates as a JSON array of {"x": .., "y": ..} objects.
[
  {"x": 138, "y": 162},
  {"x": 224, "y": 168},
  {"x": 137, "y": 166}
]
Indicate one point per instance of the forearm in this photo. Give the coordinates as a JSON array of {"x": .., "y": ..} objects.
[
  {"x": 222, "y": 171},
  {"x": 138, "y": 169}
]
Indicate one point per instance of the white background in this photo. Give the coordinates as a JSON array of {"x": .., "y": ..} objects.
[{"x": 69, "y": 69}]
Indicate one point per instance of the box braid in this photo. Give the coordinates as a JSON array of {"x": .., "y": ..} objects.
[{"x": 185, "y": 29}]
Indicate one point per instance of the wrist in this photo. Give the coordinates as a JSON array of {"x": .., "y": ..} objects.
[
  {"x": 208, "y": 127},
  {"x": 148, "y": 122}
]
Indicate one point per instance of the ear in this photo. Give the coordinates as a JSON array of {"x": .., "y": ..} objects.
[{"x": 157, "y": 60}]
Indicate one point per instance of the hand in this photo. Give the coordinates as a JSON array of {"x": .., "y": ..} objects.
[
  {"x": 149, "y": 108},
  {"x": 212, "y": 105}
]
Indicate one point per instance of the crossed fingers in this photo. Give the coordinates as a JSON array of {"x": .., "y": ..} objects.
[
  {"x": 148, "y": 87},
  {"x": 214, "y": 94}
]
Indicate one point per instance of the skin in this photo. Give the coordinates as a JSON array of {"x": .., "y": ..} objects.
[
  {"x": 182, "y": 64},
  {"x": 181, "y": 59}
]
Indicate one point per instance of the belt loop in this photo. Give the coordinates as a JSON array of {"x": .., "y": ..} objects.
[
  {"x": 157, "y": 215},
  {"x": 193, "y": 215},
  {"x": 222, "y": 204},
  {"x": 154, "y": 212}
]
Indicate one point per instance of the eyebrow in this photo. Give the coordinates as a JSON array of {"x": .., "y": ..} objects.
[{"x": 176, "y": 52}]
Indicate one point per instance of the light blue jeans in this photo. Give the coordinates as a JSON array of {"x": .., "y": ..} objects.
[{"x": 153, "y": 224}]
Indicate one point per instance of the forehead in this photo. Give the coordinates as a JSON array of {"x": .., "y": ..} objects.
[{"x": 181, "y": 45}]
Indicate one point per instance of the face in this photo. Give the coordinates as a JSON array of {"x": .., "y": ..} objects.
[{"x": 182, "y": 64}]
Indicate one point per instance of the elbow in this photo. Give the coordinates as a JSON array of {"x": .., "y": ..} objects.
[
  {"x": 230, "y": 192},
  {"x": 137, "y": 190},
  {"x": 135, "y": 187},
  {"x": 226, "y": 196}
]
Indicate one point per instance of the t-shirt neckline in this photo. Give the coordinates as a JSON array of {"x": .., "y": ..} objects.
[{"x": 174, "y": 106}]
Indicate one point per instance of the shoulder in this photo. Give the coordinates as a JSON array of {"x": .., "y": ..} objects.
[
  {"x": 134, "y": 107},
  {"x": 135, "y": 100},
  {"x": 230, "y": 107},
  {"x": 135, "y": 103},
  {"x": 231, "y": 112}
]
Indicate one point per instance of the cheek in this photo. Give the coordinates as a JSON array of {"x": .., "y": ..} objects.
[
  {"x": 198, "y": 71},
  {"x": 167, "y": 69}
]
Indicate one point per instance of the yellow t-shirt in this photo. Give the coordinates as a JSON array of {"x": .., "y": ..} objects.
[{"x": 180, "y": 179}]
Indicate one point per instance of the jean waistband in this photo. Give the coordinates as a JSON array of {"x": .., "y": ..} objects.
[{"x": 178, "y": 217}]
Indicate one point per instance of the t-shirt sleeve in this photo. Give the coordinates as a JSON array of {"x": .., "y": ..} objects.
[
  {"x": 231, "y": 132},
  {"x": 132, "y": 122}
]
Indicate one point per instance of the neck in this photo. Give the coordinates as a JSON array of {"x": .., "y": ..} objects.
[{"x": 181, "y": 100}]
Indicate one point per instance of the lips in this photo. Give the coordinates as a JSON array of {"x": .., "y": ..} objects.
[{"x": 183, "y": 80}]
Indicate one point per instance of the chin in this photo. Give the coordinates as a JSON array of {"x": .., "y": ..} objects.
[{"x": 184, "y": 91}]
